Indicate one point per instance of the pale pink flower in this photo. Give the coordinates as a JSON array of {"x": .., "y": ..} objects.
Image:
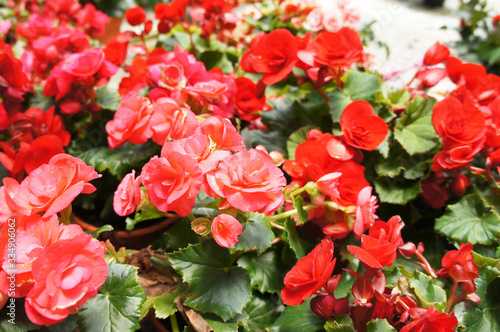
[{"x": 225, "y": 230}]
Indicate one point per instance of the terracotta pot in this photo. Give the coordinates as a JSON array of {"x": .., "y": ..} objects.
[{"x": 134, "y": 239}]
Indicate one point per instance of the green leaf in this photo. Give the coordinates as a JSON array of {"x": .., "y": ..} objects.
[
  {"x": 379, "y": 325},
  {"x": 357, "y": 86},
  {"x": 414, "y": 130},
  {"x": 214, "y": 285},
  {"x": 148, "y": 212},
  {"x": 301, "y": 213},
  {"x": 39, "y": 100},
  {"x": 272, "y": 140},
  {"x": 296, "y": 138},
  {"x": 118, "y": 161},
  {"x": 106, "y": 228},
  {"x": 296, "y": 243},
  {"x": 340, "y": 324},
  {"x": 256, "y": 234},
  {"x": 107, "y": 98},
  {"x": 180, "y": 235},
  {"x": 163, "y": 304},
  {"x": 261, "y": 312},
  {"x": 428, "y": 293},
  {"x": 218, "y": 325},
  {"x": 298, "y": 318},
  {"x": 117, "y": 306},
  {"x": 470, "y": 220},
  {"x": 264, "y": 270},
  {"x": 399, "y": 162},
  {"x": 482, "y": 316},
  {"x": 397, "y": 190},
  {"x": 68, "y": 324}
]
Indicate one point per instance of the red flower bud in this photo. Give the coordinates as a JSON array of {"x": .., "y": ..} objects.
[
  {"x": 327, "y": 306},
  {"x": 459, "y": 185},
  {"x": 135, "y": 16}
]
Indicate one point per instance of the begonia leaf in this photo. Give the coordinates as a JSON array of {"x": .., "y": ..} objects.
[
  {"x": 296, "y": 243},
  {"x": 119, "y": 161},
  {"x": 261, "y": 312},
  {"x": 482, "y": 316},
  {"x": 107, "y": 98},
  {"x": 39, "y": 99},
  {"x": 427, "y": 291},
  {"x": 256, "y": 234},
  {"x": 264, "y": 271},
  {"x": 218, "y": 325},
  {"x": 68, "y": 324},
  {"x": 340, "y": 324},
  {"x": 214, "y": 285},
  {"x": 179, "y": 235},
  {"x": 379, "y": 325},
  {"x": 399, "y": 162},
  {"x": 296, "y": 138},
  {"x": 164, "y": 304},
  {"x": 414, "y": 130},
  {"x": 117, "y": 306},
  {"x": 470, "y": 220},
  {"x": 298, "y": 318},
  {"x": 397, "y": 190},
  {"x": 357, "y": 86}
]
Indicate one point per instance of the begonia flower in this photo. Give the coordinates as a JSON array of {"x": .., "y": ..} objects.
[
  {"x": 309, "y": 274},
  {"x": 225, "y": 230},
  {"x": 128, "y": 194}
]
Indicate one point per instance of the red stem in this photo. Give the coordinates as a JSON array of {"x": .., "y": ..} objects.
[
  {"x": 426, "y": 266},
  {"x": 452, "y": 297}
]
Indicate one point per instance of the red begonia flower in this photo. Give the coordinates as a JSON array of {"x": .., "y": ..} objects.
[
  {"x": 430, "y": 320},
  {"x": 361, "y": 127},
  {"x": 459, "y": 264},
  {"x": 375, "y": 253},
  {"x": 309, "y": 274},
  {"x": 437, "y": 53},
  {"x": 135, "y": 16}
]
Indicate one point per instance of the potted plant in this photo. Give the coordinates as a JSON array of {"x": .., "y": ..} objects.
[{"x": 305, "y": 194}]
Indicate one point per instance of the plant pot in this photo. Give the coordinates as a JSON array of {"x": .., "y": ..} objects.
[
  {"x": 434, "y": 3},
  {"x": 135, "y": 239}
]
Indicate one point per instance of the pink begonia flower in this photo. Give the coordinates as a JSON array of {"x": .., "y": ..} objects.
[
  {"x": 67, "y": 274},
  {"x": 50, "y": 188},
  {"x": 128, "y": 195},
  {"x": 365, "y": 212},
  {"x": 222, "y": 133},
  {"x": 329, "y": 183},
  {"x": 171, "y": 122},
  {"x": 131, "y": 122},
  {"x": 172, "y": 181},
  {"x": 33, "y": 235},
  {"x": 249, "y": 181},
  {"x": 225, "y": 230}
]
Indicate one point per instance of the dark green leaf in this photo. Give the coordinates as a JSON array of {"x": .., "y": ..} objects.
[
  {"x": 163, "y": 304},
  {"x": 357, "y": 86},
  {"x": 470, "y": 220},
  {"x": 399, "y": 162},
  {"x": 214, "y": 285},
  {"x": 148, "y": 212},
  {"x": 256, "y": 234},
  {"x": 272, "y": 140},
  {"x": 106, "y": 228},
  {"x": 218, "y": 325},
  {"x": 296, "y": 243},
  {"x": 39, "y": 100},
  {"x": 117, "y": 306},
  {"x": 379, "y": 325},
  {"x": 67, "y": 325},
  {"x": 296, "y": 138},
  {"x": 484, "y": 315},
  {"x": 179, "y": 235},
  {"x": 397, "y": 190},
  {"x": 107, "y": 98},
  {"x": 414, "y": 130},
  {"x": 298, "y": 318},
  {"x": 428, "y": 292},
  {"x": 261, "y": 312},
  {"x": 264, "y": 270},
  {"x": 340, "y": 324},
  {"x": 118, "y": 161}
]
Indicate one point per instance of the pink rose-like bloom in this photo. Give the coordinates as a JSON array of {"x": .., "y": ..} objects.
[
  {"x": 131, "y": 122},
  {"x": 50, "y": 188},
  {"x": 171, "y": 122},
  {"x": 222, "y": 133},
  {"x": 172, "y": 181},
  {"x": 127, "y": 195},
  {"x": 33, "y": 235},
  {"x": 249, "y": 181},
  {"x": 225, "y": 230},
  {"x": 67, "y": 274}
]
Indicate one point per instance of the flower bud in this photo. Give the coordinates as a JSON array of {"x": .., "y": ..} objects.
[
  {"x": 135, "y": 16},
  {"x": 327, "y": 306},
  {"x": 459, "y": 185},
  {"x": 201, "y": 226}
]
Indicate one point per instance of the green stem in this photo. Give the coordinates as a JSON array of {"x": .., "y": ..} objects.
[
  {"x": 452, "y": 297},
  {"x": 173, "y": 322},
  {"x": 277, "y": 226},
  {"x": 191, "y": 216},
  {"x": 289, "y": 213}
]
